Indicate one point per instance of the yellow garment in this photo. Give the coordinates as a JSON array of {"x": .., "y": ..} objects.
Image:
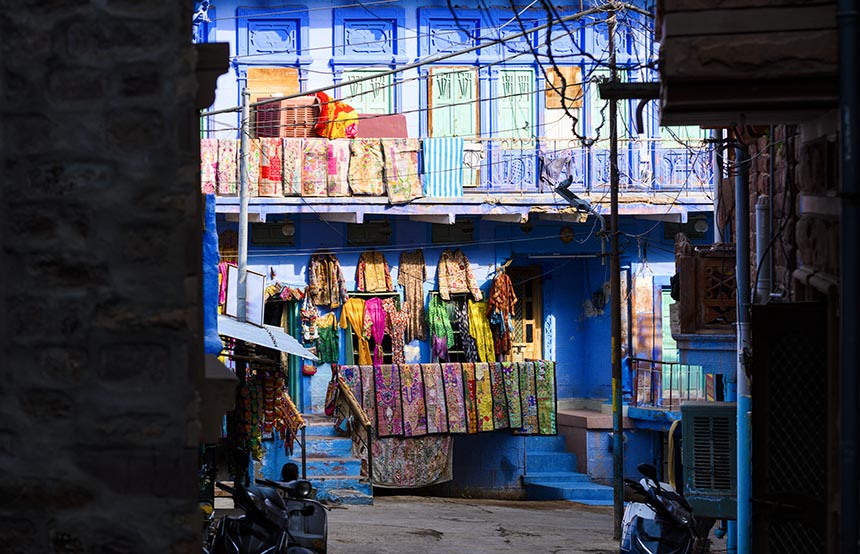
[
  {"x": 479, "y": 328},
  {"x": 353, "y": 313},
  {"x": 484, "y": 396}
]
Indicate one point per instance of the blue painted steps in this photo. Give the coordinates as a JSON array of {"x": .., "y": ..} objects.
[
  {"x": 335, "y": 474},
  {"x": 551, "y": 475}
]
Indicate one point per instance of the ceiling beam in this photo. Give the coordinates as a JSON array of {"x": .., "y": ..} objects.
[
  {"x": 444, "y": 219},
  {"x": 335, "y": 217}
]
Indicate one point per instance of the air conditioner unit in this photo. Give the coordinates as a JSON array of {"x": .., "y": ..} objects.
[
  {"x": 294, "y": 117},
  {"x": 709, "y": 456}
]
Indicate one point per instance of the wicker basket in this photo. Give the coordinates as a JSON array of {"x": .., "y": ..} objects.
[{"x": 294, "y": 117}]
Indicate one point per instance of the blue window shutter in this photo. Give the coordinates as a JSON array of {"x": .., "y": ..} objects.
[
  {"x": 516, "y": 103},
  {"x": 453, "y": 102}
]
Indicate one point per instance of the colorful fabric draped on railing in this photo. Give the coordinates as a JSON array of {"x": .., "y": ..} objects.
[
  {"x": 434, "y": 396},
  {"x": 389, "y": 409},
  {"x": 414, "y": 402},
  {"x": 443, "y": 167},
  {"x": 452, "y": 375}
]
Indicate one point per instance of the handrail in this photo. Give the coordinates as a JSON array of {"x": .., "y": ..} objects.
[
  {"x": 649, "y": 388},
  {"x": 358, "y": 424}
]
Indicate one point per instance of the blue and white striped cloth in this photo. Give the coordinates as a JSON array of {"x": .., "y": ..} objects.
[{"x": 443, "y": 167}]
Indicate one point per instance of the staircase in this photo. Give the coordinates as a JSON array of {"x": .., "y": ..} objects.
[
  {"x": 551, "y": 475},
  {"x": 335, "y": 474}
]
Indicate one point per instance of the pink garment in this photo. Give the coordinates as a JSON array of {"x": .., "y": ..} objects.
[
  {"x": 208, "y": 165},
  {"x": 338, "y": 166},
  {"x": 374, "y": 320},
  {"x": 222, "y": 292}
]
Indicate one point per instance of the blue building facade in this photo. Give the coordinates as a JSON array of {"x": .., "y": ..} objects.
[{"x": 507, "y": 102}]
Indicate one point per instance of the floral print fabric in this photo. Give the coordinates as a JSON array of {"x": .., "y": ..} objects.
[
  {"x": 365, "y": 167},
  {"x": 327, "y": 285},
  {"x": 254, "y": 157},
  {"x": 395, "y": 326},
  {"x": 228, "y": 167},
  {"x": 208, "y": 165},
  {"x": 511, "y": 377},
  {"x": 545, "y": 397},
  {"x": 455, "y": 401},
  {"x": 411, "y": 275},
  {"x": 271, "y": 169},
  {"x": 500, "y": 404},
  {"x": 412, "y": 462},
  {"x": 528, "y": 399},
  {"x": 372, "y": 273},
  {"x": 484, "y": 397},
  {"x": 293, "y": 149},
  {"x": 470, "y": 392},
  {"x": 338, "y": 167},
  {"x": 456, "y": 275},
  {"x": 401, "y": 170},
  {"x": 315, "y": 167},
  {"x": 351, "y": 375},
  {"x": 412, "y": 396}
]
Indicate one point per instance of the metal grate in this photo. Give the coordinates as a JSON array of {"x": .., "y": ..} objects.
[{"x": 712, "y": 436}]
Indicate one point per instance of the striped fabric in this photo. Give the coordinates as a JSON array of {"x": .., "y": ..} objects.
[{"x": 443, "y": 167}]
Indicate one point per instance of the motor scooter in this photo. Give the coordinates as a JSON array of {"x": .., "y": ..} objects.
[
  {"x": 663, "y": 522},
  {"x": 270, "y": 520}
]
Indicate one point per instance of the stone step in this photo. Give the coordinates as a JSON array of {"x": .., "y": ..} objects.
[
  {"x": 330, "y": 466},
  {"x": 550, "y": 461},
  {"x": 583, "y": 493},
  {"x": 328, "y": 447},
  {"x": 546, "y": 444},
  {"x": 325, "y": 483},
  {"x": 347, "y": 496},
  {"x": 321, "y": 429},
  {"x": 555, "y": 477}
]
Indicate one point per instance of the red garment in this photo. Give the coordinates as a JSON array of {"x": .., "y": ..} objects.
[{"x": 500, "y": 308}]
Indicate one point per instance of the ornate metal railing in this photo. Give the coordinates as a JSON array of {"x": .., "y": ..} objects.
[
  {"x": 348, "y": 410},
  {"x": 664, "y": 385}
]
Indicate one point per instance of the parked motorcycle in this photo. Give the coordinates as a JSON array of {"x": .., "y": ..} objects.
[
  {"x": 272, "y": 523},
  {"x": 663, "y": 523}
]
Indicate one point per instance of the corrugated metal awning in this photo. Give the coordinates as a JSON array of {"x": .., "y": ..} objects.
[{"x": 267, "y": 335}]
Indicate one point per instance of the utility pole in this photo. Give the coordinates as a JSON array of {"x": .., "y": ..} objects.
[
  {"x": 241, "y": 288},
  {"x": 615, "y": 292}
]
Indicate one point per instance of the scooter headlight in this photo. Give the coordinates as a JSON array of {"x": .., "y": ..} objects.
[{"x": 303, "y": 488}]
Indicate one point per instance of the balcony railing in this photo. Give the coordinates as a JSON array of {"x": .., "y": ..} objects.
[{"x": 664, "y": 385}]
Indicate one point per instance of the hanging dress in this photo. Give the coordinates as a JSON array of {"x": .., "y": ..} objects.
[
  {"x": 352, "y": 314},
  {"x": 395, "y": 325},
  {"x": 411, "y": 275}
]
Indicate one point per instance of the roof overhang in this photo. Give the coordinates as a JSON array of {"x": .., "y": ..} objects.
[{"x": 267, "y": 335}]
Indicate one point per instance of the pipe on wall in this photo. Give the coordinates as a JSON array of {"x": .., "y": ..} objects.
[{"x": 762, "y": 252}]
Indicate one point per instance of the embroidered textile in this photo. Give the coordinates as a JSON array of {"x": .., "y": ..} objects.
[
  {"x": 484, "y": 396},
  {"x": 368, "y": 391},
  {"x": 365, "y": 167},
  {"x": 401, "y": 170},
  {"x": 443, "y": 166},
  {"x": 208, "y": 165},
  {"x": 411, "y": 275},
  {"x": 338, "y": 167},
  {"x": 395, "y": 326},
  {"x": 455, "y": 402},
  {"x": 254, "y": 167},
  {"x": 315, "y": 167},
  {"x": 228, "y": 167},
  {"x": 528, "y": 399},
  {"x": 412, "y": 395},
  {"x": 500, "y": 401},
  {"x": 309, "y": 315},
  {"x": 456, "y": 275},
  {"x": 470, "y": 390},
  {"x": 412, "y": 462},
  {"x": 292, "y": 163},
  {"x": 327, "y": 285},
  {"x": 511, "y": 377},
  {"x": 352, "y": 314},
  {"x": 470, "y": 349},
  {"x": 328, "y": 349},
  {"x": 479, "y": 328},
  {"x": 434, "y": 396},
  {"x": 292, "y": 422},
  {"x": 352, "y": 377},
  {"x": 501, "y": 302},
  {"x": 545, "y": 396},
  {"x": 389, "y": 409},
  {"x": 374, "y": 321},
  {"x": 372, "y": 273},
  {"x": 440, "y": 328},
  {"x": 271, "y": 168}
]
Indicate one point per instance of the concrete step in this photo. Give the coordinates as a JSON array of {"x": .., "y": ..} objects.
[
  {"x": 330, "y": 466},
  {"x": 346, "y": 496},
  {"x": 555, "y": 477},
  {"x": 546, "y": 444},
  {"x": 583, "y": 493},
  {"x": 325, "y": 483},
  {"x": 328, "y": 447},
  {"x": 550, "y": 461}
]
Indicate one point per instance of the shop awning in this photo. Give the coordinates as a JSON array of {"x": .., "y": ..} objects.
[{"x": 268, "y": 336}]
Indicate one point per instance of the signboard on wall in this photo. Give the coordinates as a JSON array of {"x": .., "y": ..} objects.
[{"x": 254, "y": 295}]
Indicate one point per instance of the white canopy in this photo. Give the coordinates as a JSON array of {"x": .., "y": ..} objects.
[{"x": 267, "y": 335}]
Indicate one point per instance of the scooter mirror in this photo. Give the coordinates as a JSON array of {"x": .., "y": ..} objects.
[{"x": 648, "y": 471}]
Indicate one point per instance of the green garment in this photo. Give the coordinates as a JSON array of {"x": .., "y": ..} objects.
[
  {"x": 440, "y": 323},
  {"x": 328, "y": 346}
]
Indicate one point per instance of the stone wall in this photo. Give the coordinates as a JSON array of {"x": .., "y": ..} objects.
[{"x": 100, "y": 228}]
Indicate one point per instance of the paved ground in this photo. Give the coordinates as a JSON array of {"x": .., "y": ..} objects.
[{"x": 419, "y": 525}]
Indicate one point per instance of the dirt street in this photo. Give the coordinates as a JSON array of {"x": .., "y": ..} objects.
[{"x": 418, "y": 525}]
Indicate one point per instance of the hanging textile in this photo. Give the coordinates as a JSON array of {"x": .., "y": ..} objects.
[
  {"x": 479, "y": 329},
  {"x": 328, "y": 349},
  {"x": 372, "y": 273},
  {"x": 293, "y": 149},
  {"x": 500, "y": 401},
  {"x": 401, "y": 170},
  {"x": 395, "y": 326},
  {"x": 336, "y": 120},
  {"x": 389, "y": 409},
  {"x": 338, "y": 167},
  {"x": 545, "y": 397},
  {"x": 511, "y": 377},
  {"x": 208, "y": 165},
  {"x": 412, "y": 396},
  {"x": 254, "y": 158},
  {"x": 434, "y": 396},
  {"x": 528, "y": 399},
  {"x": 368, "y": 391},
  {"x": 309, "y": 315},
  {"x": 411, "y": 275},
  {"x": 443, "y": 167},
  {"x": 456, "y": 275},
  {"x": 352, "y": 377},
  {"x": 271, "y": 169},
  {"x": 413, "y": 462},
  {"x": 290, "y": 424},
  {"x": 315, "y": 167},
  {"x": 500, "y": 304},
  {"x": 228, "y": 167},
  {"x": 352, "y": 316},
  {"x": 365, "y": 167},
  {"x": 441, "y": 333},
  {"x": 484, "y": 397},
  {"x": 455, "y": 401},
  {"x": 327, "y": 285},
  {"x": 470, "y": 390},
  {"x": 470, "y": 349},
  {"x": 374, "y": 320}
]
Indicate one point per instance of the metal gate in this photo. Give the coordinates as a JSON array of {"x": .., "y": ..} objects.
[{"x": 789, "y": 426}]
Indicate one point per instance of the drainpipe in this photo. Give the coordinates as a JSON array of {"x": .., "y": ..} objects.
[
  {"x": 849, "y": 299},
  {"x": 762, "y": 255},
  {"x": 742, "y": 272}
]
